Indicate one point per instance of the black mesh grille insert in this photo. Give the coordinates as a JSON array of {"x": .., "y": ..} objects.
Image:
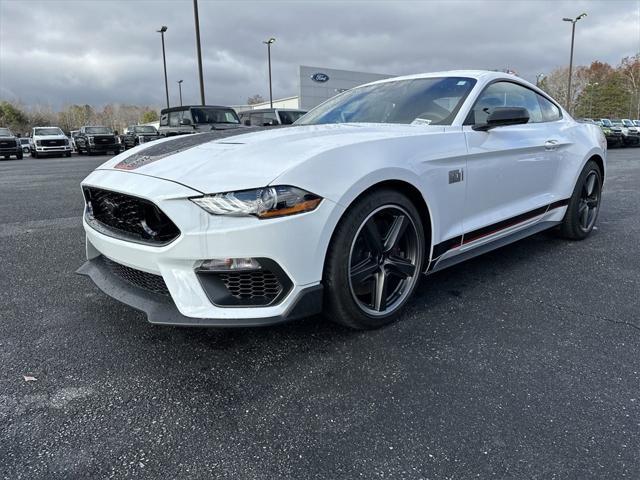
[
  {"x": 259, "y": 285},
  {"x": 128, "y": 217},
  {"x": 53, "y": 143},
  {"x": 147, "y": 281}
]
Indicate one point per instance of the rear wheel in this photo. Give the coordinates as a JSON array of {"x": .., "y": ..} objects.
[
  {"x": 584, "y": 204},
  {"x": 374, "y": 261}
]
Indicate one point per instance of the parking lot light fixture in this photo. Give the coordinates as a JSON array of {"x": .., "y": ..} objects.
[
  {"x": 180, "y": 90},
  {"x": 196, "y": 19},
  {"x": 573, "y": 34},
  {"x": 268, "y": 44},
  {"x": 164, "y": 62}
]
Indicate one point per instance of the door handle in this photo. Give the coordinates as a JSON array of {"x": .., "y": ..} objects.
[{"x": 551, "y": 145}]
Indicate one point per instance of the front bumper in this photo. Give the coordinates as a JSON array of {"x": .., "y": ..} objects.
[
  {"x": 161, "y": 310},
  {"x": 56, "y": 149},
  {"x": 297, "y": 244},
  {"x": 10, "y": 151}
]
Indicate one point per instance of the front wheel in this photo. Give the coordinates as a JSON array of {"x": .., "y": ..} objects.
[
  {"x": 584, "y": 204},
  {"x": 374, "y": 261},
  {"x": 34, "y": 154},
  {"x": 19, "y": 155}
]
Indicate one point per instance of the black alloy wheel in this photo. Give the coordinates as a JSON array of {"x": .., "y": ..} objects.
[
  {"x": 584, "y": 204},
  {"x": 374, "y": 260},
  {"x": 589, "y": 202},
  {"x": 382, "y": 261}
]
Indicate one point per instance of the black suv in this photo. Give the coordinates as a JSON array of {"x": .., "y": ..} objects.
[
  {"x": 137, "y": 134},
  {"x": 269, "y": 117},
  {"x": 97, "y": 139},
  {"x": 196, "y": 119},
  {"x": 9, "y": 144}
]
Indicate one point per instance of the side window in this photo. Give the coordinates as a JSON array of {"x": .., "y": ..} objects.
[
  {"x": 550, "y": 112},
  {"x": 174, "y": 118},
  {"x": 505, "y": 94},
  {"x": 270, "y": 118},
  {"x": 256, "y": 119},
  {"x": 164, "y": 120}
]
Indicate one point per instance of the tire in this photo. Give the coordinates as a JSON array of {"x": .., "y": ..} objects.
[
  {"x": 362, "y": 252},
  {"x": 67, "y": 154},
  {"x": 584, "y": 204},
  {"x": 19, "y": 156},
  {"x": 34, "y": 154}
]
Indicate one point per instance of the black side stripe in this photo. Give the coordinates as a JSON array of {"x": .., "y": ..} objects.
[{"x": 443, "y": 247}]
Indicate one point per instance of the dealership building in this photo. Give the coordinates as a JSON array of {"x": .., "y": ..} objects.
[{"x": 317, "y": 84}]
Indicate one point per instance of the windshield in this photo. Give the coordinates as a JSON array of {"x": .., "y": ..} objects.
[
  {"x": 627, "y": 123},
  {"x": 606, "y": 122},
  {"x": 144, "y": 129},
  {"x": 99, "y": 130},
  {"x": 5, "y": 132},
  {"x": 616, "y": 123},
  {"x": 214, "y": 115},
  {"x": 48, "y": 131},
  {"x": 287, "y": 118},
  {"x": 427, "y": 101},
  {"x": 24, "y": 141},
  {"x": 636, "y": 123}
]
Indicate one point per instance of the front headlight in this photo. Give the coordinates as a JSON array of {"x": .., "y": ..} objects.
[
  {"x": 268, "y": 202},
  {"x": 91, "y": 140},
  {"x": 66, "y": 141},
  {"x": 38, "y": 143}
]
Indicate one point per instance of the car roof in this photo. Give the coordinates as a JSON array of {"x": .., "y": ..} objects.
[
  {"x": 187, "y": 107},
  {"x": 476, "y": 74},
  {"x": 266, "y": 110}
]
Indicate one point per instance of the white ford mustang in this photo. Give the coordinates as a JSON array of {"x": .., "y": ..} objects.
[{"x": 343, "y": 211}]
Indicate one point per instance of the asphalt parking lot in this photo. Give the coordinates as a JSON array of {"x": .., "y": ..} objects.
[{"x": 523, "y": 363}]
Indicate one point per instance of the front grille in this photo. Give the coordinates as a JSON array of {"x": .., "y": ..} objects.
[
  {"x": 7, "y": 144},
  {"x": 147, "y": 281},
  {"x": 52, "y": 143},
  {"x": 260, "y": 285},
  {"x": 128, "y": 217},
  {"x": 104, "y": 140}
]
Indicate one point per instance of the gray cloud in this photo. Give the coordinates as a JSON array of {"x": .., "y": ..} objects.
[{"x": 106, "y": 51}]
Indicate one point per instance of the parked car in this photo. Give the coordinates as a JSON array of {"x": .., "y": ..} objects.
[
  {"x": 49, "y": 141},
  {"x": 612, "y": 133},
  {"x": 633, "y": 131},
  {"x": 97, "y": 139},
  {"x": 137, "y": 135},
  {"x": 344, "y": 210},
  {"x": 629, "y": 136},
  {"x": 267, "y": 117},
  {"x": 25, "y": 142},
  {"x": 196, "y": 119},
  {"x": 72, "y": 138},
  {"x": 9, "y": 144},
  {"x": 636, "y": 123}
]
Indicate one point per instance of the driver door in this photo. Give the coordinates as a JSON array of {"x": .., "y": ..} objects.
[{"x": 510, "y": 169}]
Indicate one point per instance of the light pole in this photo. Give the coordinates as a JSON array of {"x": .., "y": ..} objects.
[
  {"x": 268, "y": 44},
  {"x": 180, "y": 90},
  {"x": 198, "y": 49},
  {"x": 164, "y": 61},
  {"x": 573, "y": 34}
]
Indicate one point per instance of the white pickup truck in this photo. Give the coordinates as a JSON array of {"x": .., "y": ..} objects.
[{"x": 49, "y": 141}]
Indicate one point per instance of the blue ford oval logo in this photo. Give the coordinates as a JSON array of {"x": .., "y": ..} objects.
[{"x": 320, "y": 77}]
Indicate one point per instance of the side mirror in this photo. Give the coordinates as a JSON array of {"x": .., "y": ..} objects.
[
  {"x": 185, "y": 122},
  {"x": 502, "y": 117}
]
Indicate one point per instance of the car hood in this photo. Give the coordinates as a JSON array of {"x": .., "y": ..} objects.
[
  {"x": 50, "y": 137},
  {"x": 223, "y": 161}
]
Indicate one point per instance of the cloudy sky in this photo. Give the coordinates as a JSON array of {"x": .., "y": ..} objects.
[{"x": 107, "y": 51}]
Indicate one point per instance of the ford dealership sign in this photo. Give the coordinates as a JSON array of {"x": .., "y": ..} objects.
[{"x": 320, "y": 77}]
